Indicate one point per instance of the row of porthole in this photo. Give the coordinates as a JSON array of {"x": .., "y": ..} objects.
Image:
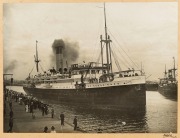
[
  {"x": 64, "y": 87},
  {"x": 94, "y": 85},
  {"x": 106, "y": 84}
]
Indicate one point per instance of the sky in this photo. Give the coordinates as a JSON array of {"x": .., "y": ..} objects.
[{"x": 144, "y": 33}]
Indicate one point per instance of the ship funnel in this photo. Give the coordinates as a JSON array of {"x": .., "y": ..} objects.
[
  {"x": 58, "y": 47},
  {"x": 59, "y": 59},
  {"x": 64, "y": 50}
]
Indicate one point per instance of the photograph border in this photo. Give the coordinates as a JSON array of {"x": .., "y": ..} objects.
[{"x": 80, "y": 135}]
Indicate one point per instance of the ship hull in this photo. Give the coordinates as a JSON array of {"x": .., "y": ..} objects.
[
  {"x": 115, "y": 97},
  {"x": 169, "y": 91}
]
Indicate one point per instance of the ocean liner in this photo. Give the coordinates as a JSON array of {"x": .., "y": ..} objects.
[
  {"x": 168, "y": 85},
  {"x": 90, "y": 85}
]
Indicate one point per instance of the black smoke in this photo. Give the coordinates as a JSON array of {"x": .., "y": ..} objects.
[
  {"x": 58, "y": 43},
  {"x": 70, "y": 50},
  {"x": 11, "y": 66}
]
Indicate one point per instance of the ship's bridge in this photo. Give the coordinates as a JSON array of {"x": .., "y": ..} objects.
[
  {"x": 89, "y": 68},
  {"x": 86, "y": 65}
]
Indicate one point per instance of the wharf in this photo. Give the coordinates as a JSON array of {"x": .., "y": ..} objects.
[{"x": 24, "y": 122}]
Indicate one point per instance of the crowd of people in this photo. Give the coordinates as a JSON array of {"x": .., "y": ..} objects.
[{"x": 30, "y": 104}]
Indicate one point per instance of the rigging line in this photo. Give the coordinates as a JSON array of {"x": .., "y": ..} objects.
[
  {"x": 31, "y": 70},
  {"x": 95, "y": 51},
  {"x": 127, "y": 62},
  {"x": 117, "y": 63},
  {"x": 124, "y": 63},
  {"x": 122, "y": 41},
  {"x": 120, "y": 45},
  {"x": 115, "y": 56},
  {"x": 98, "y": 59},
  {"x": 115, "y": 60},
  {"x": 42, "y": 62},
  {"x": 123, "y": 56},
  {"x": 99, "y": 30},
  {"x": 123, "y": 50},
  {"x": 41, "y": 67}
]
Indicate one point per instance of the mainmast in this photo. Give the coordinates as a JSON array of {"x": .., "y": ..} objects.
[
  {"x": 101, "y": 51},
  {"x": 107, "y": 42},
  {"x": 36, "y": 58}
]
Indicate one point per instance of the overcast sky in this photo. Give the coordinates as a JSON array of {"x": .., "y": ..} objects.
[{"x": 146, "y": 32}]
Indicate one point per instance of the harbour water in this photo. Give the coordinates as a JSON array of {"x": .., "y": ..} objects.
[{"x": 160, "y": 116}]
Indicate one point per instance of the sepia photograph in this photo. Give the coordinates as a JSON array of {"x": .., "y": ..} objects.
[{"x": 94, "y": 67}]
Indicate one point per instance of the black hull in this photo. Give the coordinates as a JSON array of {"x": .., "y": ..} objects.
[
  {"x": 115, "y": 97},
  {"x": 169, "y": 92}
]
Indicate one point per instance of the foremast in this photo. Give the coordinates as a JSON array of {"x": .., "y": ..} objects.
[{"x": 36, "y": 58}]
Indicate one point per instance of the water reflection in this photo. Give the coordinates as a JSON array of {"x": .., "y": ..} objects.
[
  {"x": 112, "y": 121},
  {"x": 90, "y": 120}
]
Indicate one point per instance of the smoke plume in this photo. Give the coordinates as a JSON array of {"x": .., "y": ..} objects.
[
  {"x": 70, "y": 50},
  {"x": 11, "y": 66},
  {"x": 57, "y": 43}
]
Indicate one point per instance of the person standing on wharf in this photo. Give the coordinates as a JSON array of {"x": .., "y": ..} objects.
[
  {"x": 62, "y": 119},
  {"x": 75, "y": 123}
]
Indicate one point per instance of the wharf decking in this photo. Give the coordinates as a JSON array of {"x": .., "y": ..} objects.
[{"x": 23, "y": 122}]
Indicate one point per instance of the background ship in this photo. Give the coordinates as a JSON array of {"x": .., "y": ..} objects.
[
  {"x": 168, "y": 84},
  {"x": 91, "y": 85},
  {"x": 151, "y": 86}
]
